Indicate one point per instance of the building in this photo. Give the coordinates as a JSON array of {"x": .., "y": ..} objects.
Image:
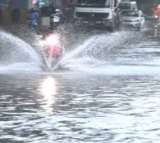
[{"x": 7, "y": 6}]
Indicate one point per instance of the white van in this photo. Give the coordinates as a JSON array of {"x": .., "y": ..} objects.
[{"x": 127, "y": 5}]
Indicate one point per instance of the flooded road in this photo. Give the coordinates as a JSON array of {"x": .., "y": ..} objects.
[{"x": 108, "y": 92}]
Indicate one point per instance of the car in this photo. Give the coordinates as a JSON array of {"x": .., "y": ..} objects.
[{"x": 132, "y": 18}]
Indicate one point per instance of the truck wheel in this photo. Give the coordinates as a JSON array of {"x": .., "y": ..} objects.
[{"x": 112, "y": 27}]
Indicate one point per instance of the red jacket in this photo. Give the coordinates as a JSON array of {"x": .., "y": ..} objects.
[
  {"x": 53, "y": 46},
  {"x": 54, "y": 51},
  {"x": 157, "y": 12}
]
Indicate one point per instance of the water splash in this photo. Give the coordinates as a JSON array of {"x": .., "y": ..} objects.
[
  {"x": 16, "y": 54},
  {"x": 96, "y": 44},
  {"x": 97, "y": 48},
  {"x": 119, "y": 53}
]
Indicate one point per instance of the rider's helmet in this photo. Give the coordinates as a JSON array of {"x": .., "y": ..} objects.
[
  {"x": 32, "y": 10},
  {"x": 57, "y": 11}
]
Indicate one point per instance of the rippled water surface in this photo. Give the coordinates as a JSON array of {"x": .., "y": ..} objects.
[
  {"x": 74, "y": 108},
  {"x": 110, "y": 98}
]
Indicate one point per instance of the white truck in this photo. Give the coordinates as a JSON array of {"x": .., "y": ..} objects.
[{"x": 96, "y": 13}]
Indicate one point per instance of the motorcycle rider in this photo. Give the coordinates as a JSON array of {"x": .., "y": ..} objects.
[
  {"x": 53, "y": 47},
  {"x": 56, "y": 18},
  {"x": 33, "y": 18},
  {"x": 156, "y": 12}
]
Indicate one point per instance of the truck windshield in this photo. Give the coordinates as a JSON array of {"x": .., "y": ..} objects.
[{"x": 94, "y": 3}]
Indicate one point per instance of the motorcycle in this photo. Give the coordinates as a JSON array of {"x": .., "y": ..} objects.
[{"x": 52, "y": 50}]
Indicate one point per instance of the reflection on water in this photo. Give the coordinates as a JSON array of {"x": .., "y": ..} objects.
[{"x": 48, "y": 90}]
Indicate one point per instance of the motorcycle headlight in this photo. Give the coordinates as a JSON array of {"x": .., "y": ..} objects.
[{"x": 52, "y": 39}]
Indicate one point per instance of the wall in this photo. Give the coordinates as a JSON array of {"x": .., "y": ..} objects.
[{"x": 7, "y": 6}]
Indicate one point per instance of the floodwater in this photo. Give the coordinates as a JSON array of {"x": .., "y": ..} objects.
[{"x": 108, "y": 92}]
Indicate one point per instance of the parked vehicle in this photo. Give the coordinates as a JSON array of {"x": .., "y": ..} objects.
[
  {"x": 96, "y": 13},
  {"x": 127, "y": 5},
  {"x": 132, "y": 19}
]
